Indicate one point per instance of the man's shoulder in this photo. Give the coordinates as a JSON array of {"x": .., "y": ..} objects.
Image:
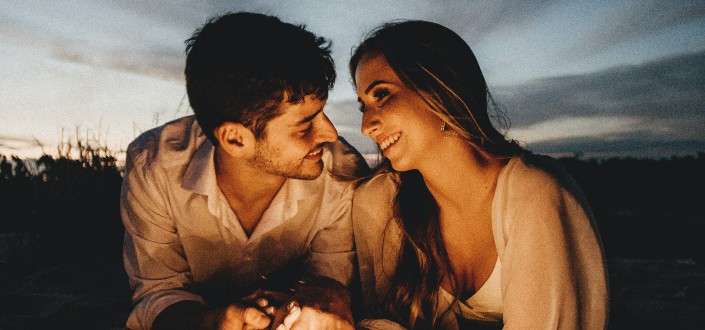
[
  {"x": 345, "y": 161},
  {"x": 379, "y": 188},
  {"x": 165, "y": 146}
]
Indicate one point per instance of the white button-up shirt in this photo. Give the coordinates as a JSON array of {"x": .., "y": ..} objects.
[{"x": 184, "y": 242}]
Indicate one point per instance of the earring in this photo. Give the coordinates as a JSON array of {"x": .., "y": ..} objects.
[{"x": 447, "y": 133}]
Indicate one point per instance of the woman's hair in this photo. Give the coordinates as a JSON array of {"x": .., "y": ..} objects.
[{"x": 440, "y": 67}]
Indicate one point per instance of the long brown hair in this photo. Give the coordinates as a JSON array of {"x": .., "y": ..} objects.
[{"x": 440, "y": 67}]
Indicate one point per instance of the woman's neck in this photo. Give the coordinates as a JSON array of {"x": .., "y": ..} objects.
[{"x": 460, "y": 175}]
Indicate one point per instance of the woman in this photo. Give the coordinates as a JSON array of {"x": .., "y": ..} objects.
[{"x": 461, "y": 225}]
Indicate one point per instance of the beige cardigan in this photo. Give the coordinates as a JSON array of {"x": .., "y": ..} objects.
[{"x": 553, "y": 273}]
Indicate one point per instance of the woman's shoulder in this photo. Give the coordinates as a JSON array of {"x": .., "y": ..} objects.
[
  {"x": 534, "y": 182},
  {"x": 531, "y": 172}
]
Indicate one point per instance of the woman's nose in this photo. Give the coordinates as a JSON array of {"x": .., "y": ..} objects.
[{"x": 370, "y": 124}]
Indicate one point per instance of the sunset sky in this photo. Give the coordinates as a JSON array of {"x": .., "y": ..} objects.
[{"x": 604, "y": 78}]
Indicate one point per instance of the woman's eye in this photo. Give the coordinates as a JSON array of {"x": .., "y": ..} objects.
[{"x": 380, "y": 94}]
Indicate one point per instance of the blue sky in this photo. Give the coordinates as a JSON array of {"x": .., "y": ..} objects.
[{"x": 604, "y": 78}]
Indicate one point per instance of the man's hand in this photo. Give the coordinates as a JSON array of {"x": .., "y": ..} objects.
[
  {"x": 267, "y": 301},
  {"x": 238, "y": 317},
  {"x": 193, "y": 315}
]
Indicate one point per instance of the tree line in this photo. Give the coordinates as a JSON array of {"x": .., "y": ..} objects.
[{"x": 65, "y": 208}]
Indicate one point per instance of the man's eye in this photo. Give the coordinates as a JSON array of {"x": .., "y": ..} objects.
[{"x": 307, "y": 129}]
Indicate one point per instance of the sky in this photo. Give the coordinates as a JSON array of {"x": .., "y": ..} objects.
[{"x": 597, "y": 78}]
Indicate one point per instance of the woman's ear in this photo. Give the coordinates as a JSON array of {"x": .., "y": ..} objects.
[{"x": 235, "y": 139}]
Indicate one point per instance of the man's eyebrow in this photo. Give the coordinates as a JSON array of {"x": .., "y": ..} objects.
[
  {"x": 308, "y": 118},
  {"x": 373, "y": 84}
]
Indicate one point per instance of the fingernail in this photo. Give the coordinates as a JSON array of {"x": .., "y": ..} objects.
[
  {"x": 270, "y": 310},
  {"x": 281, "y": 327},
  {"x": 262, "y": 302}
]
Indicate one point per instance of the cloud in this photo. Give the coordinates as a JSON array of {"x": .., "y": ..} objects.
[
  {"x": 160, "y": 63},
  {"x": 670, "y": 87},
  {"x": 96, "y": 34},
  {"x": 633, "y": 20},
  {"x": 658, "y": 103},
  {"x": 12, "y": 144},
  {"x": 576, "y": 127},
  {"x": 476, "y": 20}
]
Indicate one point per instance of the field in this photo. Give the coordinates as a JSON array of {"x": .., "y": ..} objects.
[{"x": 60, "y": 241}]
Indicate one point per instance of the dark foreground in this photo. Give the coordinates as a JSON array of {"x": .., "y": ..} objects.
[
  {"x": 645, "y": 294},
  {"x": 60, "y": 212}
]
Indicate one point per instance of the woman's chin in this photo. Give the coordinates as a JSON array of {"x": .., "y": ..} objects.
[{"x": 399, "y": 166}]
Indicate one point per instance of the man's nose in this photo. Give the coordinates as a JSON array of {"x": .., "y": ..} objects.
[{"x": 326, "y": 130}]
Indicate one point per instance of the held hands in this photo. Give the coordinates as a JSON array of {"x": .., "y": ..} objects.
[
  {"x": 297, "y": 318},
  {"x": 255, "y": 312},
  {"x": 319, "y": 303},
  {"x": 237, "y": 317}
]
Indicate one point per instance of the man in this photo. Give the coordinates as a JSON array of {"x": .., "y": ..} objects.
[{"x": 248, "y": 191}]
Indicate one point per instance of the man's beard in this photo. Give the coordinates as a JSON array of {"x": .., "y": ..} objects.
[{"x": 265, "y": 157}]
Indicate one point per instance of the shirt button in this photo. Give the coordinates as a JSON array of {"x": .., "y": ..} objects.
[{"x": 248, "y": 258}]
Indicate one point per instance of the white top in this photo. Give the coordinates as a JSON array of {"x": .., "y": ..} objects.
[
  {"x": 485, "y": 305},
  {"x": 551, "y": 266},
  {"x": 184, "y": 242}
]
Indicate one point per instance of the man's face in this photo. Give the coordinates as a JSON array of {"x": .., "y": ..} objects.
[{"x": 293, "y": 142}]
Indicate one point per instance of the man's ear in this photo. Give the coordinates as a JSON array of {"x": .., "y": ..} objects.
[{"x": 235, "y": 139}]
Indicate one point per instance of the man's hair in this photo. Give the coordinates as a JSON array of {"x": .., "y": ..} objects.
[{"x": 241, "y": 67}]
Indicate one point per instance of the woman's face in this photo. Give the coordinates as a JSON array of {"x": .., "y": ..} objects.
[{"x": 395, "y": 116}]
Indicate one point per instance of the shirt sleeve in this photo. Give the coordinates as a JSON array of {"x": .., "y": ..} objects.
[
  {"x": 153, "y": 256},
  {"x": 332, "y": 251},
  {"x": 553, "y": 273}
]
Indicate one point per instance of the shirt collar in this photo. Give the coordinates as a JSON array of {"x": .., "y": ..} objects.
[{"x": 200, "y": 178}]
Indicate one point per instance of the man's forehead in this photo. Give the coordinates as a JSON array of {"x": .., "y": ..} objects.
[{"x": 301, "y": 112}]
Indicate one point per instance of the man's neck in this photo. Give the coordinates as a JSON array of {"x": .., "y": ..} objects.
[{"x": 248, "y": 190}]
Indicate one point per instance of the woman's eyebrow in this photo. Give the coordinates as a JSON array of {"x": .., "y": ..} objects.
[{"x": 373, "y": 84}]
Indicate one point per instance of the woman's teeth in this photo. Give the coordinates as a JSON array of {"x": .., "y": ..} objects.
[{"x": 389, "y": 141}]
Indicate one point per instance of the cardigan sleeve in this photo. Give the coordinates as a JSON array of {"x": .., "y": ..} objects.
[{"x": 553, "y": 272}]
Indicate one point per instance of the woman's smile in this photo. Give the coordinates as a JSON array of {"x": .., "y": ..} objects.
[{"x": 389, "y": 140}]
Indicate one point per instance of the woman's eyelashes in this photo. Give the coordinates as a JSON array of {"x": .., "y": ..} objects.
[{"x": 380, "y": 97}]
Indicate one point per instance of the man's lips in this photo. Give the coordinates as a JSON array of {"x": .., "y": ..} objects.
[{"x": 315, "y": 154}]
